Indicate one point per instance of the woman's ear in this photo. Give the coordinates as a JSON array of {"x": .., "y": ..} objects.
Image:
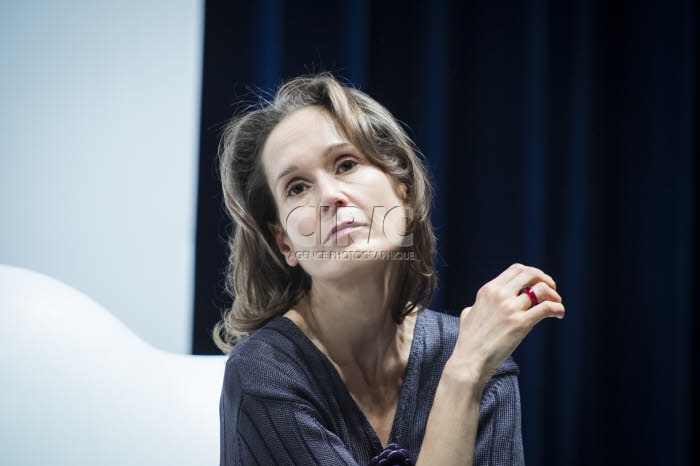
[{"x": 283, "y": 244}]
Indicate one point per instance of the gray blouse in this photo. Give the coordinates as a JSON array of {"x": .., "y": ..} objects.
[{"x": 283, "y": 402}]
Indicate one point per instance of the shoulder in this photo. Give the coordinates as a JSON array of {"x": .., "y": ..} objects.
[
  {"x": 440, "y": 321},
  {"x": 270, "y": 363}
]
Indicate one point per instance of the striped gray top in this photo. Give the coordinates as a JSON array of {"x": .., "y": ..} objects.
[{"x": 283, "y": 402}]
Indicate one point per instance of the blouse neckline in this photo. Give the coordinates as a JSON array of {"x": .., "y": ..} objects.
[{"x": 404, "y": 396}]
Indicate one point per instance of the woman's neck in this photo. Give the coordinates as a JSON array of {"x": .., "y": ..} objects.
[{"x": 351, "y": 323}]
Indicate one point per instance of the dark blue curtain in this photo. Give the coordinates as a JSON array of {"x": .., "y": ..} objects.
[{"x": 559, "y": 134}]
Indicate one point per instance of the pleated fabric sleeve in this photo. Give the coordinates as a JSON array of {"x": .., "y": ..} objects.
[
  {"x": 269, "y": 428},
  {"x": 499, "y": 436}
]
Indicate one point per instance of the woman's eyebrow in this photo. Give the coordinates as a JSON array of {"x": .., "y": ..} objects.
[{"x": 329, "y": 150}]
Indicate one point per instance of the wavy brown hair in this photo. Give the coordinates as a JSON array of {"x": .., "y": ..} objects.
[{"x": 261, "y": 283}]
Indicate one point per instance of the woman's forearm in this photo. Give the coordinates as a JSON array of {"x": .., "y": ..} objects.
[
  {"x": 505, "y": 310},
  {"x": 450, "y": 433}
]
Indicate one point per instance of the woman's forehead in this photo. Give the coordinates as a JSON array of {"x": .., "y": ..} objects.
[{"x": 302, "y": 136}]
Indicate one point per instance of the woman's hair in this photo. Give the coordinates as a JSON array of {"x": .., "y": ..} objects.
[{"x": 261, "y": 283}]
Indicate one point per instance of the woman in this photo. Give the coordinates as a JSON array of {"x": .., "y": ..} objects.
[{"x": 334, "y": 357}]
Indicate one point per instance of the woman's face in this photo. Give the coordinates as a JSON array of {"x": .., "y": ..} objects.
[{"x": 321, "y": 182}]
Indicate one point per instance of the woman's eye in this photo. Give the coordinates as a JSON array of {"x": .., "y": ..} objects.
[
  {"x": 293, "y": 190},
  {"x": 347, "y": 165},
  {"x": 298, "y": 188}
]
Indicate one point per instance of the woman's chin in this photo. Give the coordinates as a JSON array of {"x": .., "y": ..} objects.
[{"x": 343, "y": 262}]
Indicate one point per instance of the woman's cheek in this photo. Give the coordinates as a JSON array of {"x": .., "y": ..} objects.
[
  {"x": 307, "y": 226},
  {"x": 300, "y": 225}
]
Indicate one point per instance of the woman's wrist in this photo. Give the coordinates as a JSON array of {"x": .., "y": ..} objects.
[{"x": 465, "y": 374}]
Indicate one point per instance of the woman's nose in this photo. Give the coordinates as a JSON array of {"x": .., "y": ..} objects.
[{"x": 332, "y": 197}]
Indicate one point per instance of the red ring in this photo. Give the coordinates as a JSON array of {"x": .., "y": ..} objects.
[{"x": 531, "y": 294}]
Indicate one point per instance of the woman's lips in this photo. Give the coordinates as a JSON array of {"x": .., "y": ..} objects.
[{"x": 343, "y": 231}]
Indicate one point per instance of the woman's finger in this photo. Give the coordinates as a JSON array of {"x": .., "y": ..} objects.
[
  {"x": 543, "y": 310},
  {"x": 529, "y": 276},
  {"x": 542, "y": 292},
  {"x": 508, "y": 274}
]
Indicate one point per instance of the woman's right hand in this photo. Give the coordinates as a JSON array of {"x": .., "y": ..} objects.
[{"x": 499, "y": 319}]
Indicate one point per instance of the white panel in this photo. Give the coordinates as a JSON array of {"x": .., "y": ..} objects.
[
  {"x": 99, "y": 129},
  {"x": 84, "y": 390}
]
